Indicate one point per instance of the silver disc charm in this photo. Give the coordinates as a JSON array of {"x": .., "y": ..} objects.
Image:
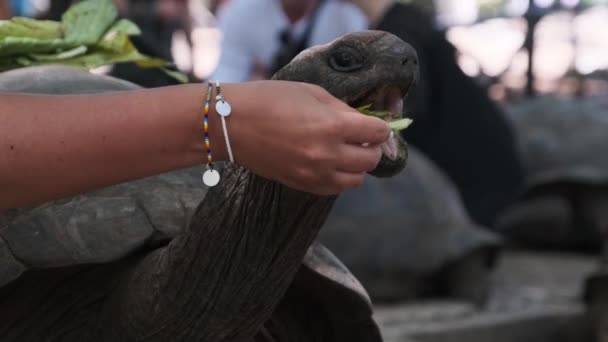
[
  {"x": 223, "y": 108},
  {"x": 211, "y": 177}
]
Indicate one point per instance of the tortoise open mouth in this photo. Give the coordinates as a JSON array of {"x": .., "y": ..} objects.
[{"x": 389, "y": 98}]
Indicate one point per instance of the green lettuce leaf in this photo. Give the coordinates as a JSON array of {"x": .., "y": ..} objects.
[
  {"x": 77, "y": 51},
  {"x": 8, "y": 64},
  {"x": 96, "y": 58},
  {"x": 26, "y": 45},
  {"x": 396, "y": 125},
  {"x": 379, "y": 114},
  {"x": 125, "y": 26},
  {"x": 88, "y": 36},
  {"x": 178, "y": 75},
  {"x": 87, "y": 21},
  {"x": 401, "y": 124},
  {"x": 31, "y": 28}
]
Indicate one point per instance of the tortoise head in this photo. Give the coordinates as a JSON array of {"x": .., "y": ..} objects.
[{"x": 364, "y": 68}]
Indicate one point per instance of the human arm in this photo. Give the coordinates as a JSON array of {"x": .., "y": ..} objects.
[{"x": 56, "y": 146}]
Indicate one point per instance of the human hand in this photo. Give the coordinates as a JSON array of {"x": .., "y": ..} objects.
[{"x": 301, "y": 136}]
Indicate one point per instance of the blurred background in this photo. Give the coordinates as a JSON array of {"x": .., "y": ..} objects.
[
  {"x": 492, "y": 37},
  {"x": 504, "y": 218}
]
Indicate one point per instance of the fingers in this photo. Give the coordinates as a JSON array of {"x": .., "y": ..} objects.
[
  {"x": 360, "y": 129},
  {"x": 357, "y": 128},
  {"x": 358, "y": 159},
  {"x": 351, "y": 166},
  {"x": 346, "y": 181},
  {"x": 330, "y": 159}
]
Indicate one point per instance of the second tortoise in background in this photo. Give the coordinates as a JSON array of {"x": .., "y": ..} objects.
[
  {"x": 410, "y": 237},
  {"x": 564, "y": 148}
]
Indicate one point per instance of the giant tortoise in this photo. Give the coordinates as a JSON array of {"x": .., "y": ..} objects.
[
  {"x": 410, "y": 236},
  {"x": 128, "y": 263},
  {"x": 564, "y": 147}
]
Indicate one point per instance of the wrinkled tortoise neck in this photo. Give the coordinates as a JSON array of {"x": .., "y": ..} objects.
[{"x": 229, "y": 272}]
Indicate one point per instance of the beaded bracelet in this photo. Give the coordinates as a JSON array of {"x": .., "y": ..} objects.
[{"x": 211, "y": 177}]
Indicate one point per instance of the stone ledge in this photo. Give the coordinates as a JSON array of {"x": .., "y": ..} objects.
[
  {"x": 429, "y": 323},
  {"x": 535, "y": 297}
]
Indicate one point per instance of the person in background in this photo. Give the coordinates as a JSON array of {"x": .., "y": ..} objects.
[
  {"x": 19, "y": 8},
  {"x": 455, "y": 122},
  {"x": 260, "y": 36},
  {"x": 56, "y": 9},
  {"x": 5, "y": 11},
  {"x": 158, "y": 20},
  {"x": 215, "y": 5}
]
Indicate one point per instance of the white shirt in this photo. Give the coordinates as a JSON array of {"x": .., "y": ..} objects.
[{"x": 251, "y": 30}]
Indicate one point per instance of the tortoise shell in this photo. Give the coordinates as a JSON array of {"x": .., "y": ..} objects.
[
  {"x": 562, "y": 139},
  {"x": 396, "y": 234}
]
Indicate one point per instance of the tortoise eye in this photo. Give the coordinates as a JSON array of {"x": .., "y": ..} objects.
[{"x": 345, "y": 60}]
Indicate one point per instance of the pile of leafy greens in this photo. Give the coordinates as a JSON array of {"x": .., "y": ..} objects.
[{"x": 89, "y": 35}]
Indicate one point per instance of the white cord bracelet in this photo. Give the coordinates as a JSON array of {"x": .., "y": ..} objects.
[{"x": 223, "y": 109}]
